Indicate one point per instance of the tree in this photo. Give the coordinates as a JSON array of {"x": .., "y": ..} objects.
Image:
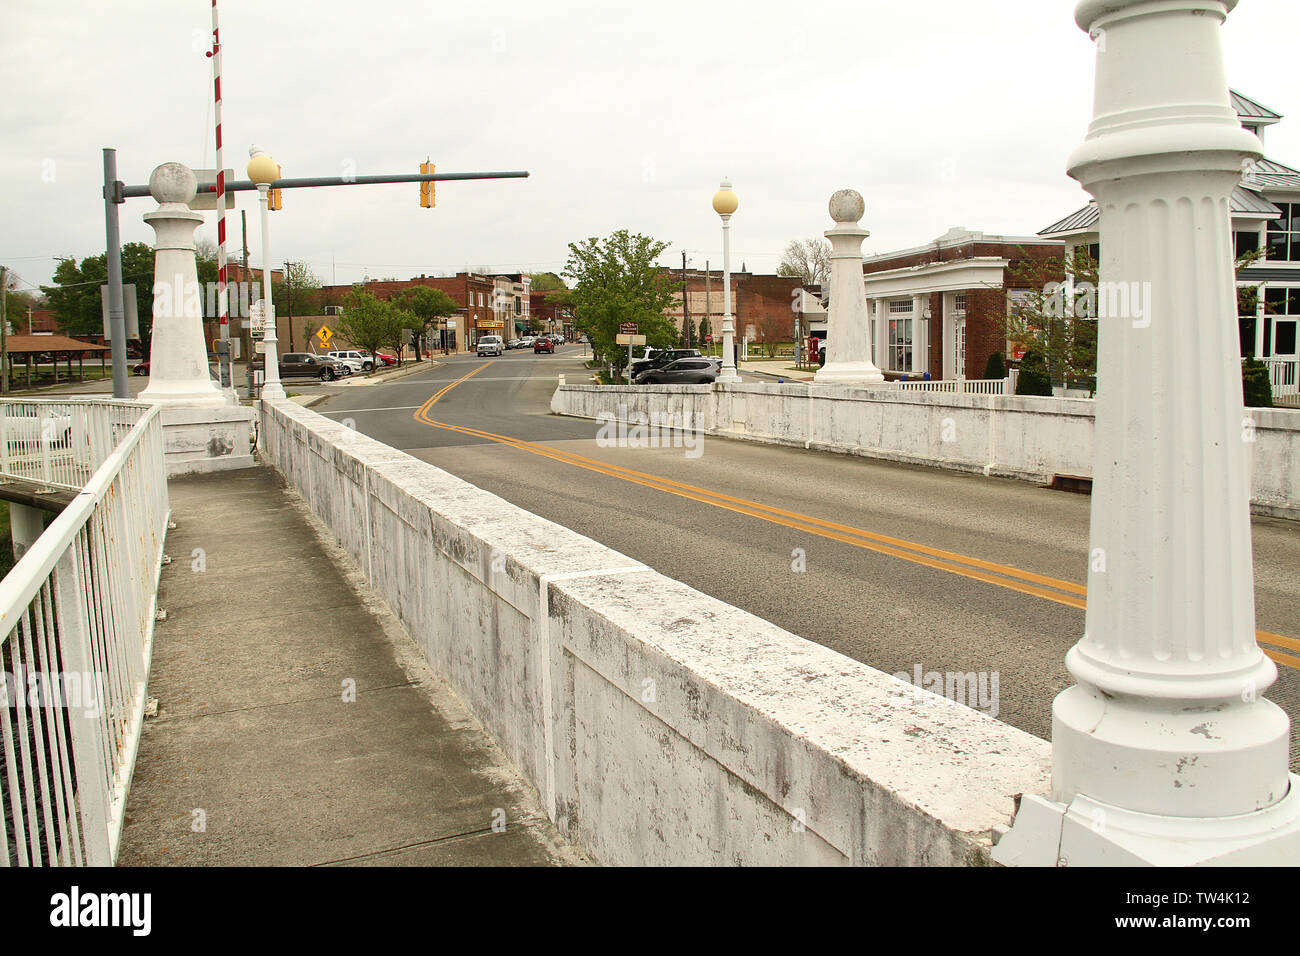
[
  {"x": 1033, "y": 379},
  {"x": 808, "y": 259},
  {"x": 545, "y": 282},
  {"x": 616, "y": 280},
  {"x": 300, "y": 294},
  {"x": 368, "y": 322},
  {"x": 426, "y": 305},
  {"x": 75, "y": 299},
  {"x": 1054, "y": 320},
  {"x": 705, "y": 331},
  {"x": 401, "y": 322},
  {"x": 1256, "y": 386},
  {"x": 996, "y": 368}
]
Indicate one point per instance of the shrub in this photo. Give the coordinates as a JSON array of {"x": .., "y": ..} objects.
[
  {"x": 1256, "y": 389},
  {"x": 996, "y": 368},
  {"x": 1033, "y": 378}
]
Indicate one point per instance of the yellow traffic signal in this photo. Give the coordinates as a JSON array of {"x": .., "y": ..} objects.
[
  {"x": 273, "y": 198},
  {"x": 426, "y": 188}
]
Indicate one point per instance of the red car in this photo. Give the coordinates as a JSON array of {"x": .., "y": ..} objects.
[
  {"x": 543, "y": 345},
  {"x": 384, "y": 360}
]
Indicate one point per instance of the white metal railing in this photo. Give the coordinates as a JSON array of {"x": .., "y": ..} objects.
[
  {"x": 61, "y": 443},
  {"x": 1284, "y": 376},
  {"x": 76, "y": 639}
]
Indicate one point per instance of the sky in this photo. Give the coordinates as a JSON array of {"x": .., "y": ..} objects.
[{"x": 941, "y": 113}]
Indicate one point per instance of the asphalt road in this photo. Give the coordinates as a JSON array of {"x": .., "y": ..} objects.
[{"x": 847, "y": 558}]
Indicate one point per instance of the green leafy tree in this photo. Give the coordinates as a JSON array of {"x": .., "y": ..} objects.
[
  {"x": 368, "y": 322},
  {"x": 426, "y": 305},
  {"x": 616, "y": 280},
  {"x": 1055, "y": 321},
  {"x": 705, "y": 331},
  {"x": 402, "y": 322},
  {"x": 75, "y": 300},
  {"x": 1033, "y": 379},
  {"x": 300, "y": 294},
  {"x": 545, "y": 282}
]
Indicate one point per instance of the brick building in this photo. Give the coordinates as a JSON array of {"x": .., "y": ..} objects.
[
  {"x": 473, "y": 294},
  {"x": 942, "y": 308},
  {"x": 554, "y": 318},
  {"x": 759, "y": 303}
]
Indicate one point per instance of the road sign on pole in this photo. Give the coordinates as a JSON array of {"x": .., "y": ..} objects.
[
  {"x": 324, "y": 334},
  {"x": 627, "y": 336}
]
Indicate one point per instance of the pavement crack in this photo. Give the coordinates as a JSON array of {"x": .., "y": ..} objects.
[{"x": 468, "y": 834}]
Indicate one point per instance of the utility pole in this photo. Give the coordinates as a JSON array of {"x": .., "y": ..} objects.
[
  {"x": 113, "y": 257},
  {"x": 288, "y": 299},
  {"x": 708, "y": 302},
  {"x": 686, "y": 312}
]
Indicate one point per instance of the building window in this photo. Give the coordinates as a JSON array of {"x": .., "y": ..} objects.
[
  {"x": 1244, "y": 242},
  {"x": 1284, "y": 234},
  {"x": 1281, "y": 315},
  {"x": 959, "y": 302},
  {"x": 897, "y": 306}
]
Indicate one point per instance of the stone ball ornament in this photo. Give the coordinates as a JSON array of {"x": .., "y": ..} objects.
[
  {"x": 173, "y": 182},
  {"x": 847, "y": 205}
]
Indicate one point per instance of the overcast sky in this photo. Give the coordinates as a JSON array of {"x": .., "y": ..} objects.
[{"x": 940, "y": 112}]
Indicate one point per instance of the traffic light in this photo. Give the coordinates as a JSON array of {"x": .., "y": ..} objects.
[
  {"x": 426, "y": 188},
  {"x": 273, "y": 198}
]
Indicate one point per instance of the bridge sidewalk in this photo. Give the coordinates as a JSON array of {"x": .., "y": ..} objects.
[{"x": 258, "y": 756}]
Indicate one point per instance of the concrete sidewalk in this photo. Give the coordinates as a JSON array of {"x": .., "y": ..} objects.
[{"x": 297, "y": 722}]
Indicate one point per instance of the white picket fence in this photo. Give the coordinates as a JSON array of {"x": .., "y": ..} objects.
[
  {"x": 1284, "y": 376},
  {"x": 76, "y": 628},
  {"x": 979, "y": 386}
]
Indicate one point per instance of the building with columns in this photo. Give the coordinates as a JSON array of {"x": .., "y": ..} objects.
[
  {"x": 1265, "y": 211},
  {"x": 942, "y": 307}
]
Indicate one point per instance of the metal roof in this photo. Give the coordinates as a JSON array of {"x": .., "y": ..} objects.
[
  {"x": 1245, "y": 202},
  {"x": 1249, "y": 109},
  {"x": 1266, "y": 172}
]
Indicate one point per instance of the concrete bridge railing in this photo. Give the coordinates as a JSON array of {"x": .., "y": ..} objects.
[
  {"x": 1004, "y": 435},
  {"x": 659, "y": 725}
]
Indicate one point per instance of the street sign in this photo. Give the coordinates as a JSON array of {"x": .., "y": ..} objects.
[
  {"x": 256, "y": 319},
  {"x": 627, "y": 328},
  {"x": 324, "y": 334},
  {"x": 207, "y": 199},
  {"x": 451, "y": 324},
  {"x": 622, "y": 339},
  {"x": 709, "y": 339},
  {"x": 129, "y": 311}
]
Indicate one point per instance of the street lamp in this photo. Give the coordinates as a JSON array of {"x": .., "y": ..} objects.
[
  {"x": 724, "y": 204},
  {"x": 263, "y": 171}
]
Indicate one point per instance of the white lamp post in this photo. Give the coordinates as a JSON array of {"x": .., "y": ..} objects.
[
  {"x": 1165, "y": 751},
  {"x": 263, "y": 171},
  {"x": 725, "y": 203}
]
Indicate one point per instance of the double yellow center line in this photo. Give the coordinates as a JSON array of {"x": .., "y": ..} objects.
[{"x": 1001, "y": 575}]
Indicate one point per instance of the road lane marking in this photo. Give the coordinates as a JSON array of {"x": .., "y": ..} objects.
[{"x": 1063, "y": 592}]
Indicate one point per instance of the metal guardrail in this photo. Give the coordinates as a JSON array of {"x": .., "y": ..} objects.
[
  {"x": 76, "y": 638},
  {"x": 61, "y": 443}
]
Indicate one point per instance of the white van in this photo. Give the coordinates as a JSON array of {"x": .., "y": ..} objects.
[{"x": 491, "y": 345}]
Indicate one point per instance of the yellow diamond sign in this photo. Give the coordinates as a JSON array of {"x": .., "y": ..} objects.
[{"x": 325, "y": 335}]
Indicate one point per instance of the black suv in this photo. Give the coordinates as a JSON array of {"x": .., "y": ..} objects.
[{"x": 662, "y": 359}]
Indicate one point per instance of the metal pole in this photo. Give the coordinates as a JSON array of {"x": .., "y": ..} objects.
[
  {"x": 728, "y": 373},
  {"x": 708, "y": 303},
  {"x": 686, "y": 313},
  {"x": 271, "y": 387},
  {"x": 247, "y": 185},
  {"x": 116, "y": 316},
  {"x": 4, "y": 330},
  {"x": 288, "y": 305},
  {"x": 223, "y": 296}
]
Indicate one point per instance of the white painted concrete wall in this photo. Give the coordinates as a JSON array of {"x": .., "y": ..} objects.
[
  {"x": 1010, "y": 436},
  {"x": 661, "y": 726}
]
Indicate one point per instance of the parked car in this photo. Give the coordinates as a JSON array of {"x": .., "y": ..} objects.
[
  {"x": 491, "y": 345},
  {"x": 355, "y": 359},
  {"x": 384, "y": 359},
  {"x": 662, "y": 358},
  {"x": 142, "y": 368},
  {"x": 526, "y": 342},
  {"x": 305, "y": 365},
  {"x": 513, "y": 344},
  {"x": 695, "y": 370},
  {"x": 543, "y": 345}
]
